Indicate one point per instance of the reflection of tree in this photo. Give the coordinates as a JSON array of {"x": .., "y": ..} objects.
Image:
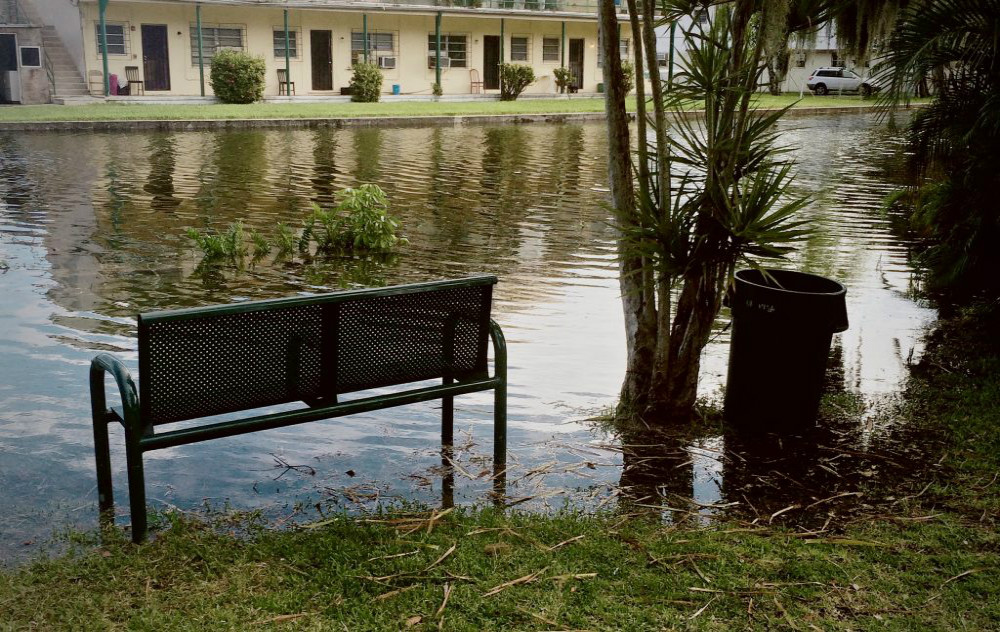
[
  {"x": 324, "y": 166},
  {"x": 160, "y": 183},
  {"x": 505, "y": 184},
  {"x": 241, "y": 167},
  {"x": 16, "y": 187},
  {"x": 368, "y": 155},
  {"x": 656, "y": 469}
]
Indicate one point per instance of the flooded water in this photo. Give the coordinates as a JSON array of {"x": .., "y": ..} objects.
[{"x": 91, "y": 233}]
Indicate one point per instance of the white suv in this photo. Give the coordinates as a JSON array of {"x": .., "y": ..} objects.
[{"x": 825, "y": 80}]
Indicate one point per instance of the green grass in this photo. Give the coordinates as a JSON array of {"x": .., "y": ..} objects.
[
  {"x": 934, "y": 563},
  {"x": 128, "y": 111}
]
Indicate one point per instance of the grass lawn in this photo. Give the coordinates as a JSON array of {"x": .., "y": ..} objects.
[
  {"x": 129, "y": 111},
  {"x": 932, "y": 562}
]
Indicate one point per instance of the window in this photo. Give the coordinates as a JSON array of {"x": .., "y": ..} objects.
[
  {"x": 213, "y": 38},
  {"x": 117, "y": 42},
  {"x": 31, "y": 56},
  {"x": 379, "y": 43},
  {"x": 623, "y": 47},
  {"x": 702, "y": 16},
  {"x": 834, "y": 59},
  {"x": 551, "y": 49},
  {"x": 800, "y": 60},
  {"x": 519, "y": 48},
  {"x": 452, "y": 47},
  {"x": 279, "y": 43}
]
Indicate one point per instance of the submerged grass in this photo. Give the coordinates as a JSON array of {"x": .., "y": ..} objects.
[
  {"x": 933, "y": 562},
  {"x": 132, "y": 111}
]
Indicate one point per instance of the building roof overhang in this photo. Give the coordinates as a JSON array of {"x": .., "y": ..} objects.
[{"x": 412, "y": 7}]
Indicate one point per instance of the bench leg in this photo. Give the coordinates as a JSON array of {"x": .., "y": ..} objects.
[
  {"x": 102, "y": 457},
  {"x": 136, "y": 484},
  {"x": 499, "y": 414},
  {"x": 448, "y": 417}
]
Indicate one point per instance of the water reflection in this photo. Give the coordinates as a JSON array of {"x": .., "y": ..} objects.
[{"x": 91, "y": 243}]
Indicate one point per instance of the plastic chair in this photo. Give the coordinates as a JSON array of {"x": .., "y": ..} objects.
[{"x": 477, "y": 84}]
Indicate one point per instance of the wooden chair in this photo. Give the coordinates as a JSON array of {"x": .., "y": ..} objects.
[
  {"x": 477, "y": 84},
  {"x": 284, "y": 84},
  {"x": 135, "y": 82},
  {"x": 95, "y": 83}
]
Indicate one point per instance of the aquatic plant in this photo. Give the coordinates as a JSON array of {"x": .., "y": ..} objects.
[
  {"x": 359, "y": 222},
  {"x": 285, "y": 239},
  {"x": 228, "y": 245}
]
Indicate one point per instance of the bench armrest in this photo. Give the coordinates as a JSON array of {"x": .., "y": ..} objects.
[
  {"x": 499, "y": 351},
  {"x": 107, "y": 363}
]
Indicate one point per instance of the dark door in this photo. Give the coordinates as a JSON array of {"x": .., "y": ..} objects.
[
  {"x": 322, "y": 59},
  {"x": 155, "y": 62},
  {"x": 576, "y": 62},
  {"x": 491, "y": 62}
]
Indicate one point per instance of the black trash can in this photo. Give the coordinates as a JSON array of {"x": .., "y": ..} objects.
[{"x": 782, "y": 329}]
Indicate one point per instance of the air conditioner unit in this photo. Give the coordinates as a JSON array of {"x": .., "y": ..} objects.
[
  {"x": 446, "y": 62},
  {"x": 387, "y": 62}
]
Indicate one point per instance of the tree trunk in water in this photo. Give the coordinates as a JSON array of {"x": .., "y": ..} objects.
[{"x": 638, "y": 305}]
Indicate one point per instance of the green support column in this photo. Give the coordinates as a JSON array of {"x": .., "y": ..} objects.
[
  {"x": 670, "y": 60},
  {"x": 437, "y": 48},
  {"x": 102, "y": 7},
  {"x": 201, "y": 50},
  {"x": 562, "y": 47},
  {"x": 502, "y": 56},
  {"x": 288, "y": 61},
  {"x": 364, "y": 34}
]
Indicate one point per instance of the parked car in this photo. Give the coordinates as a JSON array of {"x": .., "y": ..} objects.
[{"x": 833, "y": 79}]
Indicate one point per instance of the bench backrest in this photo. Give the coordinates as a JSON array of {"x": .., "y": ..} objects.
[{"x": 226, "y": 358}]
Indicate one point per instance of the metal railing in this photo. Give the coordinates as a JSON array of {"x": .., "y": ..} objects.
[{"x": 11, "y": 13}]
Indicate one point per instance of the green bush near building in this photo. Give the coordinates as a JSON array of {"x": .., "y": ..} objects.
[
  {"x": 514, "y": 78},
  {"x": 366, "y": 83},
  {"x": 238, "y": 77}
]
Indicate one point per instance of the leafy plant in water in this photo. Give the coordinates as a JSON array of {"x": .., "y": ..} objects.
[
  {"x": 228, "y": 245},
  {"x": 261, "y": 245},
  {"x": 285, "y": 239},
  {"x": 361, "y": 221}
]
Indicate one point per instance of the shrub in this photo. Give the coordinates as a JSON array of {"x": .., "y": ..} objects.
[
  {"x": 237, "y": 77},
  {"x": 360, "y": 221},
  {"x": 514, "y": 78},
  {"x": 436, "y": 89},
  {"x": 366, "y": 84},
  {"x": 229, "y": 245},
  {"x": 628, "y": 78},
  {"x": 564, "y": 78}
]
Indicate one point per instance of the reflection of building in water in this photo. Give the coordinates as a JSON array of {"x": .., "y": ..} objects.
[{"x": 512, "y": 201}]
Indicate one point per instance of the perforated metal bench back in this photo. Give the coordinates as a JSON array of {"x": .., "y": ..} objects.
[{"x": 207, "y": 361}]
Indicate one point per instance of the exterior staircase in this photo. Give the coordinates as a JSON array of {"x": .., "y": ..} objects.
[{"x": 66, "y": 78}]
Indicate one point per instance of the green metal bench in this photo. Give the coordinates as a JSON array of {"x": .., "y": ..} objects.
[{"x": 201, "y": 362}]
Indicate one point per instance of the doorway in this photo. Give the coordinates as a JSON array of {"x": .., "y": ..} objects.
[
  {"x": 491, "y": 62},
  {"x": 10, "y": 80},
  {"x": 320, "y": 43},
  {"x": 155, "y": 61},
  {"x": 576, "y": 63}
]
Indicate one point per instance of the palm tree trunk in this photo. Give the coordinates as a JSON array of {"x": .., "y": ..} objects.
[{"x": 639, "y": 306}]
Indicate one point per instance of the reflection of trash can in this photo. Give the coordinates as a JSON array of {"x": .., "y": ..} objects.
[
  {"x": 395, "y": 88},
  {"x": 782, "y": 329}
]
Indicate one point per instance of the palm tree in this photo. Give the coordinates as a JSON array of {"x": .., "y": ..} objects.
[{"x": 698, "y": 201}]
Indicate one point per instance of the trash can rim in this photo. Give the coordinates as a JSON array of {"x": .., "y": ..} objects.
[{"x": 839, "y": 291}]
